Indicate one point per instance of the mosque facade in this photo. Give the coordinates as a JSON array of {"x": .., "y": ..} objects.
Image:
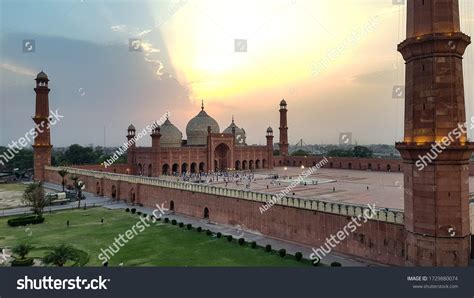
[{"x": 206, "y": 149}]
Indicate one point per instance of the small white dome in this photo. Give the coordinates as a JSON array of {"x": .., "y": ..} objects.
[{"x": 171, "y": 136}]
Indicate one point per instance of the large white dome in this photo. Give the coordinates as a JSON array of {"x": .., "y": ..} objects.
[{"x": 196, "y": 130}]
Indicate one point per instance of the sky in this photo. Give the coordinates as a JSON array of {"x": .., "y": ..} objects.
[{"x": 334, "y": 62}]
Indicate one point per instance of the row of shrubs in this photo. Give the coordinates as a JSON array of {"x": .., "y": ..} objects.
[
  {"x": 268, "y": 248},
  {"x": 26, "y": 262},
  {"x": 25, "y": 220}
]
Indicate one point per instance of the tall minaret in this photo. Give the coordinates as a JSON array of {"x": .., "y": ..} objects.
[
  {"x": 156, "y": 149},
  {"x": 436, "y": 192},
  {"x": 283, "y": 129},
  {"x": 131, "y": 150},
  {"x": 42, "y": 144},
  {"x": 269, "y": 164}
]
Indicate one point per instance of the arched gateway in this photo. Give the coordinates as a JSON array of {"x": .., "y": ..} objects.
[{"x": 222, "y": 157}]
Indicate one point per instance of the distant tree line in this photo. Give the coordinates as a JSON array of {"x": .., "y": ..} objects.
[
  {"x": 357, "y": 151},
  {"x": 21, "y": 160},
  {"x": 73, "y": 155}
]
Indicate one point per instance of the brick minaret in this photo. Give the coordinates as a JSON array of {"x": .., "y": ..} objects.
[
  {"x": 436, "y": 197},
  {"x": 42, "y": 144},
  {"x": 131, "y": 150},
  {"x": 155, "y": 145},
  {"x": 269, "y": 148},
  {"x": 283, "y": 129}
]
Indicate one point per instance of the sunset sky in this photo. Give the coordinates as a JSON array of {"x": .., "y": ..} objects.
[{"x": 335, "y": 63}]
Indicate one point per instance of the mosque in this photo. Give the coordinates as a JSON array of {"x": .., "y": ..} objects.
[{"x": 206, "y": 149}]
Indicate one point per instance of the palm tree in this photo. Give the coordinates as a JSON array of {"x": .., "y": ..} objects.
[
  {"x": 59, "y": 255},
  {"x": 22, "y": 249},
  {"x": 78, "y": 186},
  {"x": 63, "y": 174}
]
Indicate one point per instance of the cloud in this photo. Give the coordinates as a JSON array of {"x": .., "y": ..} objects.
[
  {"x": 144, "y": 32},
  {"x": 17, "y": 69},
  {"x": 375, "y": 78},
  {"x": 118, "y": 28},
  {"x": 92, "y": 84}
]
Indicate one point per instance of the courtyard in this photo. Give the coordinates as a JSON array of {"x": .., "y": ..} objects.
[{"x": 384, "y": 189}]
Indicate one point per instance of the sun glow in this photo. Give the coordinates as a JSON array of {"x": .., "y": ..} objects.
[{"x": 284, "y": 39}]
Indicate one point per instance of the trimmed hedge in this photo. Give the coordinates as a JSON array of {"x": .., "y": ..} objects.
[
  {"x": 199, "y": 229},
  {"x": 139, "y": 213},
  {"x": 208, "y": 233},
  {"x": 229, "y": 238},
  {"x": 268, "y": 248},
  {"x": 282, "y": 252},
  {"x": 174, "y": 222},
  {"x": 189, "y": 226},
  {"x": 316, "y": 261},
  {"x": 298, "y": 256},
  {"x": 22, "y": 262},
  {"x": 253, "y": 244},
  {"x": 181, "y": 224},
  {"x": 127, "y": 209},
  {"x": 241, "y": 241},
  {"x": 133, "y": 210},
  {"x": 219, "y": 234},
  {"x": 25, "y": 220},
  {"x": 167, "y": 220}
]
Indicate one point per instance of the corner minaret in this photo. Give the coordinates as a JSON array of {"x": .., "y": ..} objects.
[
  {"x": 436, "y": 192},
  {"x": 131, "y": 149},
  {"x": 269, "y": 136},
  {"x": 283, "y": 129},
  {"x": 42, "y": 143},
  {"x": 156, "y": 149}
]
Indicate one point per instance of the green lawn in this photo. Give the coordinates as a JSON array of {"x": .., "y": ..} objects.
[
  {"x": 161, "y": 244},
  {"x": 12, "y": 187}
]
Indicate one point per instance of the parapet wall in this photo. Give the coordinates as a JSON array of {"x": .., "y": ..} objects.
[
  {"x": 348, "y": 163},
  {"x": 304, "y": 221}
]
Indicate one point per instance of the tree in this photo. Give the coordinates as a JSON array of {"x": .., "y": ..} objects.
[
  {"x": 22, "y": 249},
  {"x": 340, "y": 153},
  {"x": 78, "y": 186},
  {"x": 59, "y": 255},
  {"x": 300, "y": 152},
  {"x": 78, "y": 155},
  {"x": 22, "y": 160},
  {"x": 35, "y": 198},
  {"x": 361, "y": 151},
  {"x": 63, "y": 174}
]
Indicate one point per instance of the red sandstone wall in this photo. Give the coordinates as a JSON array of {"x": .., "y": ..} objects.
[
  {"x": 377, "y": 241},
  {"x": 377, "y": 164},
  {"x": 348, "y": 163},
  {"x": 115, "y": 168}
]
